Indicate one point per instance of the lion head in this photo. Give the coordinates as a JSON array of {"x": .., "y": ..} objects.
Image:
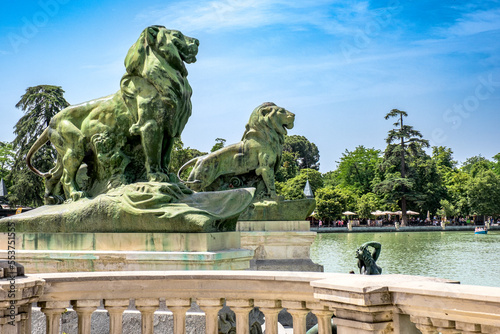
[
  {"x": 158, "y": 46},
  {"x": 271, "y": 120}
]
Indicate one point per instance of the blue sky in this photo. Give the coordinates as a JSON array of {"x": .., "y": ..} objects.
[{"x": 340, "y": 66}]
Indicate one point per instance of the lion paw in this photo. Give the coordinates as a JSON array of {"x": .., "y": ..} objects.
[
  {"x": 75, "y": 196},
  {"x": 158, "y": 177}
]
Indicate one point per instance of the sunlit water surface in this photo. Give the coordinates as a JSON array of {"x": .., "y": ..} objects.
[{"x": 463, "y": 256}]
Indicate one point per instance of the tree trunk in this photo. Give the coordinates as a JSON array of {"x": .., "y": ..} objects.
[{"x": 403, "y": 175}]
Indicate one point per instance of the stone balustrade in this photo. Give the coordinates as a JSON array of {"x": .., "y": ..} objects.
[{"x": 361, "y": 304}]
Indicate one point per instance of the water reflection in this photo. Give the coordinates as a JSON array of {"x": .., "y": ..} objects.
[{"x": 463, "y": 256}]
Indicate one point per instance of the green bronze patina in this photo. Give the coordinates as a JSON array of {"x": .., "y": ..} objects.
[
  {"x": 251, "y": 162},
  {"x": 126, "y": 137},
  {"x": 367, "y": 259},
  {"x": 114, "y": 152}
]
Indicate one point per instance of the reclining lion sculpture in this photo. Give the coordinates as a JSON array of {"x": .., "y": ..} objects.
[
  {"x": 127, "y": 136},
  {"x": 256, "y": 157}
]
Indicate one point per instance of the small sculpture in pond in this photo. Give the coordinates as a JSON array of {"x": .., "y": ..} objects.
[
  {"x": 366, "y": 259},
  {"x": 250, "y": 163}
]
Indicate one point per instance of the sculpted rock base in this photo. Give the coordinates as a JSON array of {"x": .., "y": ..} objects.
[{"x": 139, "y": 207}]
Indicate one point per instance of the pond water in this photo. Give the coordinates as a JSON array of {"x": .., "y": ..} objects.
[{"x": 463, "y": 256}]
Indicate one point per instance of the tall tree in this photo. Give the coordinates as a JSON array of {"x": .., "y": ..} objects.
[
  {"x": 401, "y": 141},
  {"x": 357, "y": 169},
  {"x": 40, "y": 104},
  {"x": 219, "y": 143},
  {"x": 483, "y": 192},
  {"x": 307, "y": 152},
  {"x": 6, "y": 159}
]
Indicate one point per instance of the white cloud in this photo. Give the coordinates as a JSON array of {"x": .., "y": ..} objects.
[
  {"x": 475, "y": 23},
  {"x": 333, "y": 17}
]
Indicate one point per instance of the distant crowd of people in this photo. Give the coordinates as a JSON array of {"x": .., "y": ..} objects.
[{"x": 412, "y": 221}]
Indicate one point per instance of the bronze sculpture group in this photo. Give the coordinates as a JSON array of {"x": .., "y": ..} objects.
[{"x": 123, "y": 145}]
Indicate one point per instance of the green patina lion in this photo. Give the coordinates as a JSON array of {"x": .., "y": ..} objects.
[
  {"x": 113, "y": 134},
  {"x": 256, "y": 157}
]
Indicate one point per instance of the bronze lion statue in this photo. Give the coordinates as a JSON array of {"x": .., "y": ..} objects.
[
  {"x": 256, "y": 156},
  {"x": 127, "y": 136}
]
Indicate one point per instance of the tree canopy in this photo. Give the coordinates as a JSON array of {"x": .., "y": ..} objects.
[
  {"x": 307, "y": 152},
  {"x": 40, "y": 104}
]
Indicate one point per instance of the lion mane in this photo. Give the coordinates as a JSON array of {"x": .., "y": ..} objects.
[{"x": 257, "y": 154}]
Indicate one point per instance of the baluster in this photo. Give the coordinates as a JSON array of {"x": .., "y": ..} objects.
[
  {"x": 241, "y": 307},
  {"x": 179, "y": 306},
  {"x": 25, "y": 323},
  {"x": 211, "y": 308},
  {"x": 84, "y": 308},
  {"x": 115, "y": 308},
  {"x": 299, "y": 313},
  {"x": 324, "y": 321},
  {"x": 53, "y": 311},
  {"x": 271, "y": 309},
  {"x": 147, "y": 306}
]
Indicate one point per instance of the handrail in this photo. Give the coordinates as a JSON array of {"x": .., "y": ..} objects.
[{"x": 361, "y": 304}]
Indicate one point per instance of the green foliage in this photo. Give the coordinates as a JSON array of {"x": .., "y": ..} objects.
[
  {"x": 6, "y": 159},
  {"x": 457, "y": 184},
  {"x": 357, "y": 169},
  {"x": 443, "y": 157},
  {"x": 483, "y": 192},
  {"x": 40, "y": 104},
  {"x": 180, "y": 156},
  {"x": 219, "y": 143},
  {"x": 332, "y": 201},
  {"x": 288, "y": 168},
  {"x": 476, "y": 165},
  {"x": 307, "y": 152},
  {"x": 368, "y": 203},
  {"x": 447, "y": 209},
  {"x": 294, "y": 187},
  {"x": 404, "y": 146}
]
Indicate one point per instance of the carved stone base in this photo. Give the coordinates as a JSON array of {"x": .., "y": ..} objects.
[
  {"x": 279, "y": 245},
  {"x": 56, "y": 252}
]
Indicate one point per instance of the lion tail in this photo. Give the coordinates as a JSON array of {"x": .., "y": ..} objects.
[
  {"x": 187, "y": 164},
  {"x": 44, "y": 138}
]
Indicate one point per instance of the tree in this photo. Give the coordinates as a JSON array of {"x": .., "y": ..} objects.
[
  {"x": 443, "y": 157},
  {"x": 294, "y": 188},
  {"x": 6, "y": 159},
  {"x": 332, "y": 201},
  {"x": 401, "y": 142},
  {"x": 288, "y": 168},
  {"x": 40, "y": 104},
  {"x": 368, "y": 203},
  {"x": 357, "y": 169},
  {"x": 219, "y": 143},
  {"x": 496, "y": 164},
  {"x": 447, "y": 209},
  {"x": 307, "y": 152},
  {"x": 476, "y": 165},
  {"x": 180, "y": 156},
  {"x": 483, "y": 193}
]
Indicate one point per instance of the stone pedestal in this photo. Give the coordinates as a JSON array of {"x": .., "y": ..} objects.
[
  {"x": 53, "y": 252},
  {"x": 279, "y": 245}
]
